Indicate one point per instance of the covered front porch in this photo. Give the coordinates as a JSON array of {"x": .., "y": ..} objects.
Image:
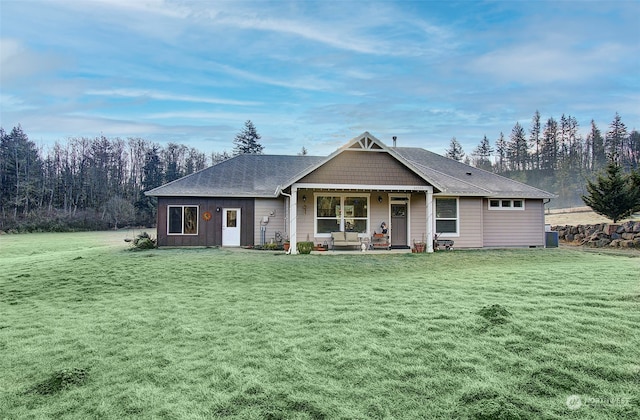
[{"x": 392, "y": 216}]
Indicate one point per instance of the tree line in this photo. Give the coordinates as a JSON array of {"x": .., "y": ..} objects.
[
  {"x": 554, "y": 156},
  {"x": 99, "y": 182},
  {"x": 94, "y": 183}
]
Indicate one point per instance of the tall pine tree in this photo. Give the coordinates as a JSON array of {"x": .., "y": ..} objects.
[
  {"x": 517, "y": 149},
  {"x": 534, "y": 139},
  {"x": 246, "y": 142},
  {"x": 549, "y": 148},
  {"x": 21, "y": 173},
  {"x": 482, "y": 154},
  {"x": 501, "y": 153},
  {"x": 598, "y": 155},
  {"x": 615, "y": 139},
  {"x": 455, "y": 151}
]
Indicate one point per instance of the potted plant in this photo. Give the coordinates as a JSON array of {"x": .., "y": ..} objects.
[
  {"x": 286, "y": 245},
  {"x": 420, "y": 246}
]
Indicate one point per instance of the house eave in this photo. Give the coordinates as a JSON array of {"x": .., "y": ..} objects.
[{"x": 248, "y": 195}]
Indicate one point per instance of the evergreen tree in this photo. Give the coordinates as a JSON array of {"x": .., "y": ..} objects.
[
  {"x": 563, "y": 140},
  {"x": 634, "y": 149},
  {"x": 174, "y": 156},
  {"x": 517, "y": 149},
  {"x": 598, "y": 155},
  {"x": 634, "y": 178},
  {"x": 615, "y": 139},
  {"x": 454, "y": 151},
  {"x": 534, "y": 139},
  {"x": 152, "y": 177},
  {"x": 549, "y": 148},
  {"x": 613, "y": 194},
  {"x": 575, "y": 144},
  {"x": 482, "y": 154},
  {"x": 501, "y": 153},
  {"x": 21, "y": 173},
  {"x": 246, "y": 142}
]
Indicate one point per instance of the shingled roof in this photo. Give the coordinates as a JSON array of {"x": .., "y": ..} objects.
[
  {"x": 456, "y": 178},
  {"x": 265, "y": 175},
  {"x": 240, "y": 176}
]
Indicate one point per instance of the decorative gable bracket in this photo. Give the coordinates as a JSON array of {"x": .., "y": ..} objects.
[{"x": 366, "y": 143}]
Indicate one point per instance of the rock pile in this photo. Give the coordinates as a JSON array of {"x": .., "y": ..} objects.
[{"x": 626, "y": 235}]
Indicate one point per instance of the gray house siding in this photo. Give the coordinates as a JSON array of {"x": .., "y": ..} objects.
[
  {"x": 366, "y": 168},
  {"x": 517, "y": 228},
  {"x": 209, "y": 232},
  {"x": 470, "y": 223},
  {"x": 275, "y": 211}
]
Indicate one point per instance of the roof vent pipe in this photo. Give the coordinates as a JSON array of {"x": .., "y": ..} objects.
[{"x": 394, "y": 140}]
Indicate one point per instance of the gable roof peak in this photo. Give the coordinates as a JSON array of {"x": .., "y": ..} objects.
[{"x": 364, "y": 142}]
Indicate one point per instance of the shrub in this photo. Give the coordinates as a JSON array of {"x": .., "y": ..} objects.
[
  {"x": 144, "y": 241},
  {"x": 305, "y": 247}
]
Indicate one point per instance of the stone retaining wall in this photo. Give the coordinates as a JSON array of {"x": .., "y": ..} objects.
[{"x": 625, "y": 235}]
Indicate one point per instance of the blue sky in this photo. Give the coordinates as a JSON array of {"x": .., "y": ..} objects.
[{"x": 314, "y": 74}]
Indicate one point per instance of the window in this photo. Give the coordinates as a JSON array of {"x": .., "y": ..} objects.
[
  {"x": 182, "y": 220},
  {"x": 342, "y": 212},
  {"x": 446, "y": 216},
  {"x": 495, "y": 204}
]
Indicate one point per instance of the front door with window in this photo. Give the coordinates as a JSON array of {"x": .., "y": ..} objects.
[
  {"x": 398, "y": 225},
  {"x": 230, "y": 227}
]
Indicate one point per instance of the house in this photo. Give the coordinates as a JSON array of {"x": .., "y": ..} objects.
[{"x": 252, "y": 199}]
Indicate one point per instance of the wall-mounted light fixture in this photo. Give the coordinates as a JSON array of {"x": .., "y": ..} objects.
[
  {"x": 379, "y": 199},
  {"x": 218, "y": 209},
  {"x": 304, "y": 198}
]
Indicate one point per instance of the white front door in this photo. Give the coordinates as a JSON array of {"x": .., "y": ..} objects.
[{"x": 230, "y": 227}]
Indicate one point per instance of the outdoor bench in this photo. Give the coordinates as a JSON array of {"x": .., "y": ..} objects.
[{"x": 341, "y": 239}]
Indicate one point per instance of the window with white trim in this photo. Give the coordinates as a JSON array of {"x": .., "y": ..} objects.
[
  {"x": 506, "y": 204},
  {"x": 182, "y": 220},
  {"x": 446, "y": 216},
  {"x": 341, "y": 212}
]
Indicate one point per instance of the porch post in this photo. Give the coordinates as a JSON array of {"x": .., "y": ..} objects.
[
  {"x": 293, "y": 216},
  {"x": 429, "y": 194}
]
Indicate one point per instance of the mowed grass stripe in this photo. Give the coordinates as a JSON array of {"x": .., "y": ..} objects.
[{"x": 202, "y": 333}]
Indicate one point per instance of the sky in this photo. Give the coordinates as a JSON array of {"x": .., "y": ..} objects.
[{"x": 314, "y": 74}]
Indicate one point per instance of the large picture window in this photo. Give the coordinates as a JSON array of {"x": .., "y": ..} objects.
[
  {"x": 446, "y": 216},
  {"x": 182, "y": 220},
  {"x": 342, "y": 212}
]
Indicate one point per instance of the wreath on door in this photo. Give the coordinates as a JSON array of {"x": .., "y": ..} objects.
[{"x": 206, "y": 216}]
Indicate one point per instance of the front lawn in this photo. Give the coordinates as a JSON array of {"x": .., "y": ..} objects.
[{"x": 89, "y": 329}]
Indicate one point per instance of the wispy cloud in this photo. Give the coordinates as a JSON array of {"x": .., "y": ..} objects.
[
  {"x": 315, "y": 73},
  {"x": 163, "y": 96},
  {"x": 536, "y": 64},
  {"x": 309, "y": 82}
]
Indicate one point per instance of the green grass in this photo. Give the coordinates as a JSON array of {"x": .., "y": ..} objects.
[{"x": 91, "y": 330}]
